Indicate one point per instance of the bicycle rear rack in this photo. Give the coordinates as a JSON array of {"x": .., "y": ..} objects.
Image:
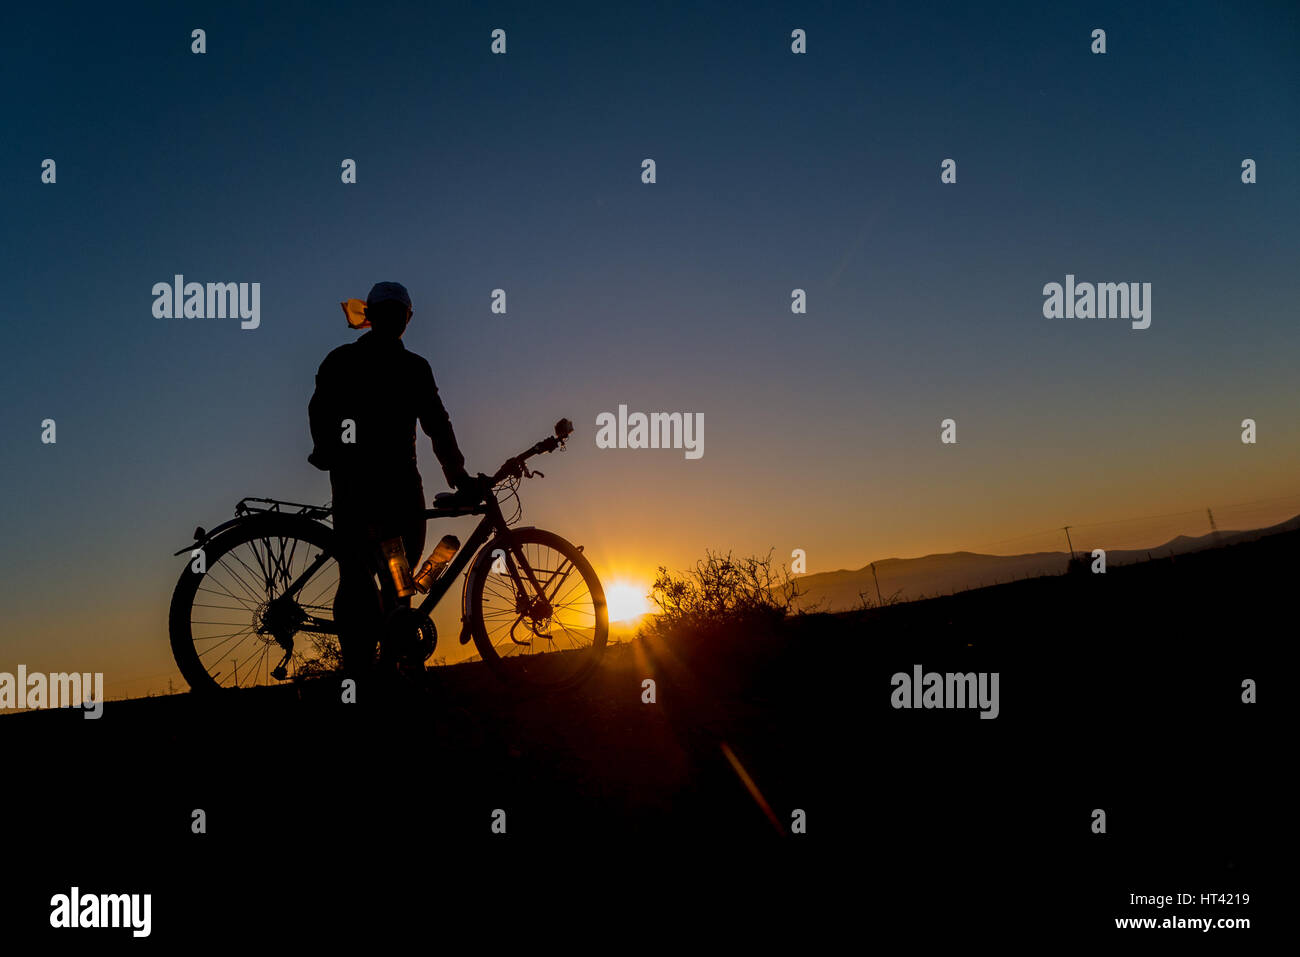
[
  {"x": 255, "y": 506},
  {"x": 243, "y": 507}
]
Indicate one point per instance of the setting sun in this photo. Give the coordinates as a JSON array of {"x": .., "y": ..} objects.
[{"x": 626, "y": 601}]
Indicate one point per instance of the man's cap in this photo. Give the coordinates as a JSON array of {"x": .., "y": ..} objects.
[{"x": 388, "y": 292}]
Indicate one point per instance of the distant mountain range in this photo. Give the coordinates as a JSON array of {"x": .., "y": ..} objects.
[{"x": 913, "y": 578}]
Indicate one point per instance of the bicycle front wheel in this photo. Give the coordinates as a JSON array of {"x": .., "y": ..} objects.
[{"x": 537, "y": 610}]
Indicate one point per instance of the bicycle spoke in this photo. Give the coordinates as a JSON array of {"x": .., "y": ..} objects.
[
  {"x": 328, "y": 588},
  {"x": 226, "y": 592},
  {"x": 224, "y": 634},
  {"x": 250, "y": 570},
  {"x": 234, "y": 572},
  {"x": 257, "y": 556},
  {"x": 236, "y": 645},
  {"x": 226, "y": 607}
]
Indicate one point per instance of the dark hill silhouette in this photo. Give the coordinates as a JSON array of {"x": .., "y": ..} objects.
[
  {"x": 913, "y": 578},
  {"x": 1120, "y": 691}
]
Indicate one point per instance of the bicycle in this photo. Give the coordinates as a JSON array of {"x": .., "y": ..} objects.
[{"x": 279, "y": 569}]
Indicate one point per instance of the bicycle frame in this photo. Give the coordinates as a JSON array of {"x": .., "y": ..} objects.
[{"x": 492, "y": 523}]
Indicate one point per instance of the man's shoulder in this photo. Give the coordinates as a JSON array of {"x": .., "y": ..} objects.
[
  {"x": 339, "y": 354},
  {"x": 361, "y": 352},
  {"x": 417, "y": 362},
  {"x": 342, "y": 358}
]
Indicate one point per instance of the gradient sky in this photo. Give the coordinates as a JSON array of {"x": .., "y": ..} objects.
[{"x": 775, "y": 171}]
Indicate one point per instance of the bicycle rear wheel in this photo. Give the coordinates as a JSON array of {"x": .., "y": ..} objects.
[
  {"x": 537, "y": 610},
  {"x": 266, "y": 591}
]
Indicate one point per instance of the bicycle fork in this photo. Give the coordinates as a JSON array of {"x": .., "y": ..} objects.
[{"x": 538, "y": 610}]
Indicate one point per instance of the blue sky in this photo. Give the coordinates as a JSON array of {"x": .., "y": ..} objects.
[{"x": 522, "y": 172}]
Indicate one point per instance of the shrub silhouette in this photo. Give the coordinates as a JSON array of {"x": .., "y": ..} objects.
[
  {"x": 327, "y": 658},
  {"x": 721, "y": 590},
  {"x": 866, "y": 602}
]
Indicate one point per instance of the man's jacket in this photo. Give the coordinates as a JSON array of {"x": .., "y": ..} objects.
[{"x": 384, "y": 389}]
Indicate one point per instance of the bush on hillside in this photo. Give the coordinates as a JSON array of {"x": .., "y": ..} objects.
[{"x": 721, "y": 591}]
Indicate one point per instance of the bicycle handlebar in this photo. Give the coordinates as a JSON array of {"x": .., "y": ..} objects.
[{"x": 515, "y": 465}]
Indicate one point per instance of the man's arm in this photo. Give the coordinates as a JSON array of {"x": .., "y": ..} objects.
[
  {"x": 437, "y": 426},
  {"x": 322, "y": 420}
]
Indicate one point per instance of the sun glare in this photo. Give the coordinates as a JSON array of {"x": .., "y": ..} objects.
[{"x": 626, "y": 601}]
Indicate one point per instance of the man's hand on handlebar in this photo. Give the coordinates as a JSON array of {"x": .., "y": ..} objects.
[{"x": 473, "y": 489}]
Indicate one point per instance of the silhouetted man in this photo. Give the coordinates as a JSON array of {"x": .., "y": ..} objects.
[{"x": 383, "y": 388}]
